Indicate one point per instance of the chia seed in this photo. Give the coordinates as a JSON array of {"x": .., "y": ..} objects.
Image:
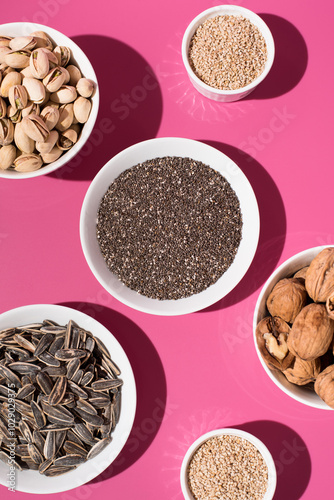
[{"x": 169, "y": 227}]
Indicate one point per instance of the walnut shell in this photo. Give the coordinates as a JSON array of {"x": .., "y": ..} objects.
[
  {"x": 324, "y": 385},
  {"x": 287, "y": 299},
  {"x": 278, "y": 331},
  {"x": 330, "y": 306},
  {"x": 301, "y": 274},
  {"x": 319, "y": 281},
  {"x": 303, "y": 372},
  {"x": 311, "y": 333}
]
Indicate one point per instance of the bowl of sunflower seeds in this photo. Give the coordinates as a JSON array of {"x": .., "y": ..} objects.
[{"x": 67, "y": 398}]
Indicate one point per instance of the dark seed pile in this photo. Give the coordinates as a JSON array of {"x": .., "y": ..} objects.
[{"x": 169, "y": 227}]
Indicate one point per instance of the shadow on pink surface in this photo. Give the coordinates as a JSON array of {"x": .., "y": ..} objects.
[
  {"x": 130, "y": 105},
  {"x": 290, "y": 454},
  {"x": 150, "y": 383},
  {"x": 272, "y": 226},
  {"x": 290, "y": 63}
]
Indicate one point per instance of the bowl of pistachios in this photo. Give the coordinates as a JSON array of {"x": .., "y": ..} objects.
[{"x": 49, "y": 100}]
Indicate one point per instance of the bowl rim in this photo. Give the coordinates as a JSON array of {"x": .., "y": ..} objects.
[
  {"x": 189, "y": 304},
  {"x": 293, "y": 391},
  {"x": 231, "y": 10},
  {"x": 97, "y": 465},
  {"x": 88, "y": 126},
  {"x": 261, "y": 447}
]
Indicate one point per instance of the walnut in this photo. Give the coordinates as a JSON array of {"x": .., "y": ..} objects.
[
  {"x": 301, "y": 274},
  {"x": 271, "y": 337},
  {"x": 287, "y": 299},
  {"x": 324, "y": 385},
  {"x": 330, "y": 306},
  {"x": 311, "y": 333},
  {"x": 303, "y": 372},
  {"x": 319, "y": 281}
]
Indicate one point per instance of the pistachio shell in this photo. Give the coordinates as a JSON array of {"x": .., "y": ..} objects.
[
  {"x": 54, "y": 154},
  {"x": 7, "y": 156},
  {"x": 47, "y": 145},
  {"x": 27, "y": 72},
  {"x": 5, "y": 40},
  {"x": 3, "y": 52},
  {"x": 15, "y": 115},
  {"x": 22, "y": 43},
  {"x": 3, "y": 108},
  {"x": 65, "y": 117},
  {"x": 23, "y": 142},
  {"x": 28, "y": 163},
  {"x": 6, "y": 131},
  {"x": 35, "y": 127},
  {"x": 64, "y": 95},
  {"x": 66, "y": 75},
  {"x": 85, "y": 87},
  {"x": 51, "y": 116},
  {"x": 35, "y": 89},
  {"x": 75, "y": 74},
  {"x": 67, "y": 139},
  {"x": 54, "y": 79},
  {"x": 18, "y": 59},
  {"x": 42, "y": 40},
  {"x": 39, "y": 63},
  {"x": 63, "y": 55},
  {"x": 81, "y": 108},
  {"x": 287, "y": 299},
  {"x": 18, "y": 96},
  {"x": 30, "y": 108},
  {"x": 53, "y": 61},
  {"x": 12, "y": 78}
]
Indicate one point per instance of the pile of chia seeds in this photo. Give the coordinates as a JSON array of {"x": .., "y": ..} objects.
[{"x": 169, "y": 227}]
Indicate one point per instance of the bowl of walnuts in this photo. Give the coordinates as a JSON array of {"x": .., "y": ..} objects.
[{"x": 293, "y": 327}]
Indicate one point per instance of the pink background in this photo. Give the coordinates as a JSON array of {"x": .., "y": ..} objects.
[{"x": 198, "y": 372}]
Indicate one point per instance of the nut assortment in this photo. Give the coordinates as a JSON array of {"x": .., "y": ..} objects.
[
  {"x": 44, "y": 101},
  {"x": 297, "y": 336}
]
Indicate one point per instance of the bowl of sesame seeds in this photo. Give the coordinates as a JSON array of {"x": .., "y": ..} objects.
[
  {"x": 227, "y": 52},
  {"x": 228, "y": 463}
]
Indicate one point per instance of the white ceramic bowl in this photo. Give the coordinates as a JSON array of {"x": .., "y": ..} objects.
[
  {"x": 272, "y": 476},
  {"x": 229, "y": 10},
  {"x": 33, "y": 481},
  {"x": 302, "y": 394},
  {"x": 146, "y": 150},
  {"x": 87, "y": 70}
]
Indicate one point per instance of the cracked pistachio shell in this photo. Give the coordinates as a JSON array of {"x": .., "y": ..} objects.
[
  {"x": 67, "y": 139},
  {"x": 64, "y": 95},
  {"x": 63, "y": 55},
  {"x": 6, "y": 131},
  {"x": 46, "y": 146},
  {"x": 12, "y": 78},
  {"x": 3, "y": 108},
  {"x": 54, "y": 79},
  {"x": 3, "y": 52},
  {"x": 85, "y": 87},
  {"x": 311, "y": 333},
  {"x": 54, "y": 154},
  {"x": 28, "y": 162},
  {"x": 287, "y": 299},
  {"x": 18, "y": 96},
  {"x": 35, "y": 89},
  {"x": 23, "y": 142},
  {"x": 5, "y": 40},
  {"x": 324, "y": 385},
  {"x": 75, "y": 74},
  {"x": 7, "y": 156},
  {"x": 15, "y": 115},
  {"x": 319, "y": 280},
  {"x": 18, "y": 59},
  {"x": 273, "y": 326},
  {"x": 53, "y": 61},
  {"x": 39, "y": 63},
  {"x": 303, "y": 372},
  {"x": 35, "y": 127},
  {"x": 81, "y": 108},
  {"x": 31, "y": 108},
  {"x": 22, "y": 43},
  {"x": 66, "y": 115},
  {"x": 51, "y": 116},
  {"x": 66, "y": 75},
  {"x": 42, "y": 40}
]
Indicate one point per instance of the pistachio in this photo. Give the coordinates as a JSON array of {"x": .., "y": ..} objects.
[
  {"x": 66, "y": 75},
  {"x": 51, "y": 116},
  {"x": 65, "y": 117},
  {"x": 67, "y": 139},
  {"x": 3, "y": 52},
  {"x": 287, "y": 299},
  {"x": 18, "y": 59},
  {"x": 18, "y": 96},
  {"x": 53, "y": 61},
  {"x": 85, "y": 87},
  {"x": 54, "y": 79},
  {"x": 6, "y": 69},
  {"x": 23, "y": 142},
  {"x": 7, "y": 156},
  {"x": 30, "y": 108},
  {"x": 35, "y": 128},
  {"x": 5, "y": 40},
  {"x": 319, "y": 281},
  {"x": 64, "y": 95},
  {"x": 46, "y": 146},
  {"x": 15, "y": 115},
  {"x": 74, "y": 73},
  {"x": 63, "y": 55},
  {"x": 3, "y": 108},
  {"x": 324, "y": 385},
  {"x": 27, "y": 72},
  {"x": 303, "y": 372},
  {"x": 6, "y": 131},
  {"x": 39, "y": 63},
  {"x": 22, "y": 43},
  {"x": 12, "y": 78},
  {"x": 271, "y": 335},
  {"x": 81, "y": 108},
  {"x": 28, "y": 163},
  {"x": 35, "y": 89},
  {"x": 54, "y": 154},
  {"x": 42, "y": 40}
]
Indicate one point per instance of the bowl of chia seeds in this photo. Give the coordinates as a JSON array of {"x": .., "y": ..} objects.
[
  {"x": 227, "y": 52},
  {"x": 228, "y": 463},
  {"x": 169, "y": 226}
]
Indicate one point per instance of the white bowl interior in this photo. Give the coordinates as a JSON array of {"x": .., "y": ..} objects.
[
  {"x": 231, "y": 10},
  {"x": 33, "y": 481},
  {"x": 87, "y": 70},
  {"x": 161, "y": 147},
  {"x": 288, "y": 268},
  {"x": 272, "y": 475}
]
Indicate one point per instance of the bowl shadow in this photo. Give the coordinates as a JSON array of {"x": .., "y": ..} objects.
[
  {"x": 290, "y": 454},
  {"x": 290, "y": 62},
  {"x": 272, "y": 226},
  {"x": 150, "y": 383},
  {"x": 130, "y": 105}
]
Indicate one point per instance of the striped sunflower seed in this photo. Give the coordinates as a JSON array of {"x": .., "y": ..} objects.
[
  {"x": 98, "y": 447},
  {"x": 58, "y": 392}
]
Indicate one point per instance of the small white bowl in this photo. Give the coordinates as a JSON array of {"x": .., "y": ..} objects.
[
  {"x": 87, "y": 70},
  {"x": 302, "y": 394},
  {"x": 32, "y": 481},
  {"x": 226, "y": 10},
  {"x": 154, "y": 148},
  {"x": 272, "y": 476}
]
